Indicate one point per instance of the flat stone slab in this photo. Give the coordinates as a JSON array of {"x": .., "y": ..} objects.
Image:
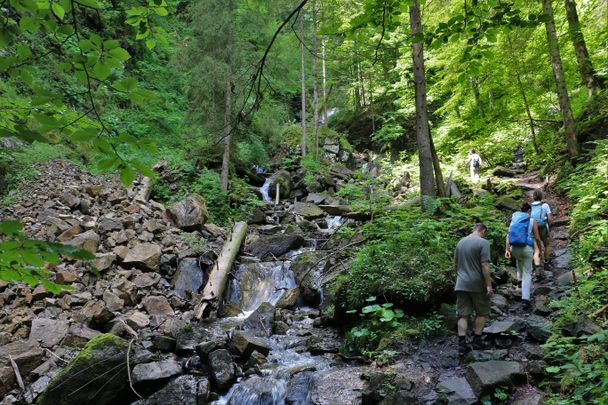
[
  {"x": 457, "y": 391},
  {"x": 156, "y": 370},
  {"x": 485, "y": 376},
  {"x": 505, "y": 326},
  {"x": 49, "y": 332}
]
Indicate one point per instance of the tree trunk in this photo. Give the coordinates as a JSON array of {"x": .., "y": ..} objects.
[
  {"x": 315, "y": 90},
  {"x": 371, "y": 101},
  {"x": 522, "y": 91},
  {"x": 227, "y": 132},
  {"x": 437, "y": 169},
  {"x": 427, "y": 179},
  {"x": 475, "y": 87},
  {"x": 560, "y": 80},
  {"x": 585, "y": 67},
  {"x": 324, "y": 86},
  {"x": 214, "y": 289},
  {"x": 303, "y": 80}
]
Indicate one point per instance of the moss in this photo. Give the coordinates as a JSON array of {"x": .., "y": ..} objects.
[{"x": 100, "y": 341}]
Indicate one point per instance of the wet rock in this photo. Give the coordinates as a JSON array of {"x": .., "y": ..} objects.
[
  {"x": 289, "y": 298},
  {"x": 485, "y": 376},
  {"x": 157, "y": 370},
  {"x": 308, "y": 210},
  {"x": 157, "y": 305},
  {"x": 48, "y": 332},
  {"x": 85, "y": 377},
  {"x": 257, "y": 217},
  {"x": 531, "y": 399},
  {"x": 145, "y": 256},
  {"x": 276, "y": 245},
  {"x": 538, "y": 328},
  {"x": 532, "y": 351},
  {"x": 185, "y": 389},
  {"x": 258, "y": 390},
  {"x": 164, "y": 343},
  {"x": 87, "y": 241},
  {"x": 457, "y": 391},
  {"x": 189, "y": 214},
  {"x": 260, "y": 321},
  {"x": 202, "y": 339},
  {"x": 583, "y": 326},
  {"x": 223, "y": 370},
  {"x": 386, "y": 388},
  {"x": 485, "y": 355},
  {"x": 321, "y": 343},
  {"x": 245, "y": 344},
  {"x": 188, "y": 277},
  {"x": 341, "y": 386}
]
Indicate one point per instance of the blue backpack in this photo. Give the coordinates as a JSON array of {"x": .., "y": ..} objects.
[
  {"x": 520, "y": 230},
  {"x": 538, "y": 214}
]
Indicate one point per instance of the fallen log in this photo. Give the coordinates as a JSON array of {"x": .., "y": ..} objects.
[{"x": 214, "y": 288}]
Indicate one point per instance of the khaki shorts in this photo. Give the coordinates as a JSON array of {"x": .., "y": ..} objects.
[{"x": 468, "y": 303}]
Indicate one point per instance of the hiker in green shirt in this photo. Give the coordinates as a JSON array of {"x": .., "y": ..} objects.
[{"x": 473, "y": 285}]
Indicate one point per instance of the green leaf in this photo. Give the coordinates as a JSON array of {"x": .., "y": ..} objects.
[
  {"x": 58, "y": 10},
  {"x": 111, "y": 44},
  {"x": 161, "y": 11},
  {"x": 10, "y": 227},
  {"x": 84, "y": 134},
  {"x": 553, "y": 369},
  {"x": 150, "y": 43},
  {"x": 126, "y": 84},
  {"x": 143, "y": 168},
  {"x": 101, "y": 70},
  {"x": 127, "y": 175},
  {"x": 105, "y": 164},
  {"x": 29, "y": 24},
  {"x": 88, "y": 3},
  {"x": 119, "y": 53}
]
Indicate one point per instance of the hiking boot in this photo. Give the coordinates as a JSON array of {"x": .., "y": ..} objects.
[
  {"x": 479, "y": 344},
  {"x": 463, "y": 348}
]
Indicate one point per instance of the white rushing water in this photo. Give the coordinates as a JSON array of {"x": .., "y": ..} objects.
[{"x": 265, "y": 190}]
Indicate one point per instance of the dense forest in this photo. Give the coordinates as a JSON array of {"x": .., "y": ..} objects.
[{"x": 256, "y": 202}]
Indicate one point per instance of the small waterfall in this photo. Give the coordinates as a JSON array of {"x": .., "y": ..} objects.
[
  {"x": 334, "y": 223},
  {"x": 265, "y": 190}
]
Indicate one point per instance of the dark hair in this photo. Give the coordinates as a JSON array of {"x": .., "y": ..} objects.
[
  {"x": 537, "y": 195},
  {"x": 473, "y": 151},
  {"x": 525, "y": 207},
  {"x": 480, "y": 227}
]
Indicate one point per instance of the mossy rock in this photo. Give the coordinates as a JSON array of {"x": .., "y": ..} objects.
[{"x": 98, "y": 375}]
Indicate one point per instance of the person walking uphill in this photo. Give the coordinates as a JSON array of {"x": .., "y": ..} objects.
[
  {"x": 474, "y": 161},
  {"x": 521, "y": 242},
  {"x": 541, "y": 213},
  {"x": 473, "y": 285}
]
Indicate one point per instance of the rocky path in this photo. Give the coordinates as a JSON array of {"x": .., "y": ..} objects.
[{"x": 509, "y": 371}]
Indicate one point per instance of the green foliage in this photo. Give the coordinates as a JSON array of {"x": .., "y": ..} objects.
[
  {"x": 365, "y": 193},
  {"x": 409, "y": 256},
  {"x": 26, "y": 260}
]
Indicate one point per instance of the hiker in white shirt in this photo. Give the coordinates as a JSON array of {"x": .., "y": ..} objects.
[
  {"x": 541, "y": 212},
  {"x": 474, "y": 161}
]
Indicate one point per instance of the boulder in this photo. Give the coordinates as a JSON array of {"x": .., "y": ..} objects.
[
  {"x": 245, "y": 344},
  {"x": 185, "y": 389},
  {"x": 48, "y": 332},
  {"x": 156, "y": 370},
  {"x": 505, "y": 326},
  {"x": 507, "y": 203},
  {"x": 157, "y": 305},
  {"x": 145, "y": 256},
  {"x": 289, "y": 298},
  {"x": 534, "y": 398},
  {"x": 485, "y": 376},
  {"x": 188, "y": 277},
  {"x": 85, "y": 379},
  {"x": 583, "y": 326},
  {"x": 146, "y": 280},
  {"x": 103, "y": 261},
  {"x": 79, "y": 335},
  {"x": 283, "y": 178},
  {"x": 223, "y": 370},
  {"x": 502, "y": 171},
  {"x": 457, "y": 391},
  {"x": 164, "y": 343},
  {"x": 276, "y": 245},
  {"x": 107, "y": 224},
  {"x": 87, "y": 241},
  {"x": 27, "y": 356},
  {"x": 317, "y": 198},
  {"x": 538, "y": 328},
  {"x": 95, "y": 312},
  {"x": 138, "y": 320},
  {"x": 339, "y": 386},
  {"x": 260, "y": 321},
  {"x": 308, "y": 210},
  {"x": 113, "y": 302},
  {"x": 189, "y": 214}
]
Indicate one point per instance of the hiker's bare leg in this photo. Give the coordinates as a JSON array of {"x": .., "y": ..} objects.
[
  {"x": 480, "y": 321},
  {"x": 463, "y": 324}
]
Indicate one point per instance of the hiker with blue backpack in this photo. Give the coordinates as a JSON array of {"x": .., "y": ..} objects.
[
  {"x": 541, "y": 212},
  {"x": 520, "y": 243},
  {"x": 474, "y": 162}
]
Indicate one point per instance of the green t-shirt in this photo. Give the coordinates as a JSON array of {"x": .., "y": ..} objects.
[{"x": 470, "y": 252}]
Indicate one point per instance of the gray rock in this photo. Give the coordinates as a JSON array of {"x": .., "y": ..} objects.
[
  {"x": 157, "y": 305},
  {"x": 283, "y": 178},
  {"x": 95, "y": 312},
  {"x": 308, "y": 210},
  {"x": 583, "y": 326},
  {"x": 316, "y": 198},
  {"x": 502, "y": 171},
  {"x": 103, "y": 261},
  {"x": 289, "y": 298},
  {"x": 486, "y": 355},
  {"x": 146, "y": 280},
  {"x": 499, "y": 301},
  {"x": 532, "y": 351},
  {"x": 157, "y": 370},
  {"x": 276, "y": 245},
  {"x": 531, "y": 399},
  {"x": 79, "y": 335},
  {"x": 49, "y": 332},
  {"x": 27, "y": 356},
  {"x": 505, "y": 326},
  {"x": 185, "y": 389},
  {"x": 86, "y": 376},
  {"x": 245, "y": 344},
  {"x": 566, "y": 279},
  {"x": 223, "y": 370},
  {"x": 260, "y": 321},
  {"x": 145, "y": 256},
  {"x": 507, "y": 203},
  {"x": 164, "y": 343},
  {"x": 340, "y": 386},
  {"x": 189, "y": 214},
  {"x": 112, "y": 301},
  {"x": 188, "y": 277},
  {"x": 107, "y": 224},
  {"x": 138, "y": 320},
  {"x": 562, "y": 259},
  {"x": 485, "y": 376},
  {"x": 87, "y": 241},
  {"x": 457, "y": 391},
  {"x": 538, "y": 328}
]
